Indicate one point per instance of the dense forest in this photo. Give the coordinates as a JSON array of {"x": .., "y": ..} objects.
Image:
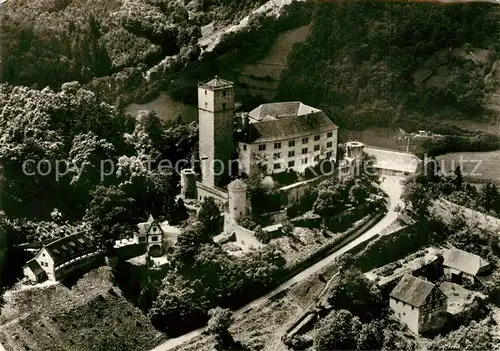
[
  {"x": 363, "y": 74},
  {"x": 67, "y": 157},
  {"x": 360, "y": 61},
  {"x": 107, "y": 44}
]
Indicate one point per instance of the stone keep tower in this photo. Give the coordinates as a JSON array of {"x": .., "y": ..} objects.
[
  {"x": 215, "y": 114},
  {"x": 188, "y": 184},
  {"x": 355, "y": 150},
  {"x": 237, "y": 203}
]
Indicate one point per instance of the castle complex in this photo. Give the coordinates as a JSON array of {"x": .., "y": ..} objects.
[{"x": 277, "y": 137}]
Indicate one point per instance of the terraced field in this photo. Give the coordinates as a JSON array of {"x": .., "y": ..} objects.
[{"x": 262, "y": 78}]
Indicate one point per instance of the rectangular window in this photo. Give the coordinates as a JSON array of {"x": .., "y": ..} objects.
[
  {"x": 305, "y": 140},
  {"x": 277, "y": 145},
  {"x": 329, "y": 135},
  {"x": 154, "y": 238},
  {"x": 277, "y": 166},
  {"x": 224, "y": 93},
  {"x": 276, "y": 155},
  {"x": 291, "y": 163},
  {"x": 206, "y": 104},
  {"x": 223, "y": 106},
  {"x": 329, "y": 154},
  {"x": 304, "y": 151},
  {"x": 304, "y": 161},
  {"x": 205, "y": 92},
  {"x": 317, "y": 137},
  {"x": 291, "y": 153},
  {"x": 244, "y": 148},
  {"x": 262, "y": 147},
  {"x": 316, "y": 147},
  {"x": 316, "y": 158},
  {"x": 142, "y": 239},
  {"x": 291, "y": 143},
  {"x": 329, "y": 144}
]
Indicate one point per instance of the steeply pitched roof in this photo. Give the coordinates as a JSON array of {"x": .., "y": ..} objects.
[
  {"x": 216, "y": 83},
  {"x": 464, "y": 261},
  {"x": 144, "y": 227},
  {"x": 412, "y": 290},
  {"x": 34, "y": 266},
  {"x": 283, "y": 128},
  {"x": 69, "y": 247},
  {"x": 237, "y": 184},
  {"x": 394, "y": 160},
  {"x": 279, "y": 110}
]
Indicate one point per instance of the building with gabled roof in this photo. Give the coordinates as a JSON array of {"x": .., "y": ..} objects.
[
  {"x": 394, "y": 163},
  {"x": 34, "y": 272},
  {"x": 286, "y": 136},
  {"x": 462, "y": 266},
  {"x": 151, "y": 234},
  {"x": 63, "y": 256},
  {"x": 418, "y": 303}
]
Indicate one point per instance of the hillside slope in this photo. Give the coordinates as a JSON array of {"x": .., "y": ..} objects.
[
  {"x": 362, "y": 61},
  {"x": 93, "y": 315}
]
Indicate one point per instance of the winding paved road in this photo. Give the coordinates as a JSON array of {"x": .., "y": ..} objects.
[{"x": 391, "y": 185}]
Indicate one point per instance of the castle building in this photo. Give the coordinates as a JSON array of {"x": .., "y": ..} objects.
[
  {"x": 216, "y": 114},
  {"x": 237, "y": 200},
  {"x": 286, "y": 136},
  {"x": 278, "y": 137}
]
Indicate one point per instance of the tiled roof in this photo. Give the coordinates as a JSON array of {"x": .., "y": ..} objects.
[
  {"x": 237, "y": 184},
  {"x": 281, "y": 110},
  {"x": 144, "y": 227},
  {"x": 394, "y": 160},
  {"x": 412, "y": 290},
  {"x": 34, "y": 266},
  {"x": 69, "y": 247},
  {"x": 289, "y": 127},
  {"x": 464, "y": 261},
  {"x": 217, "y": 83}
]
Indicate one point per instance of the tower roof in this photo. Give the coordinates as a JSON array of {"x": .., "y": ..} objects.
[
  {"x": 237, "y": 184},
  {"x": 216, "y": 83},
  {"x": 353, "y": 143}
]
